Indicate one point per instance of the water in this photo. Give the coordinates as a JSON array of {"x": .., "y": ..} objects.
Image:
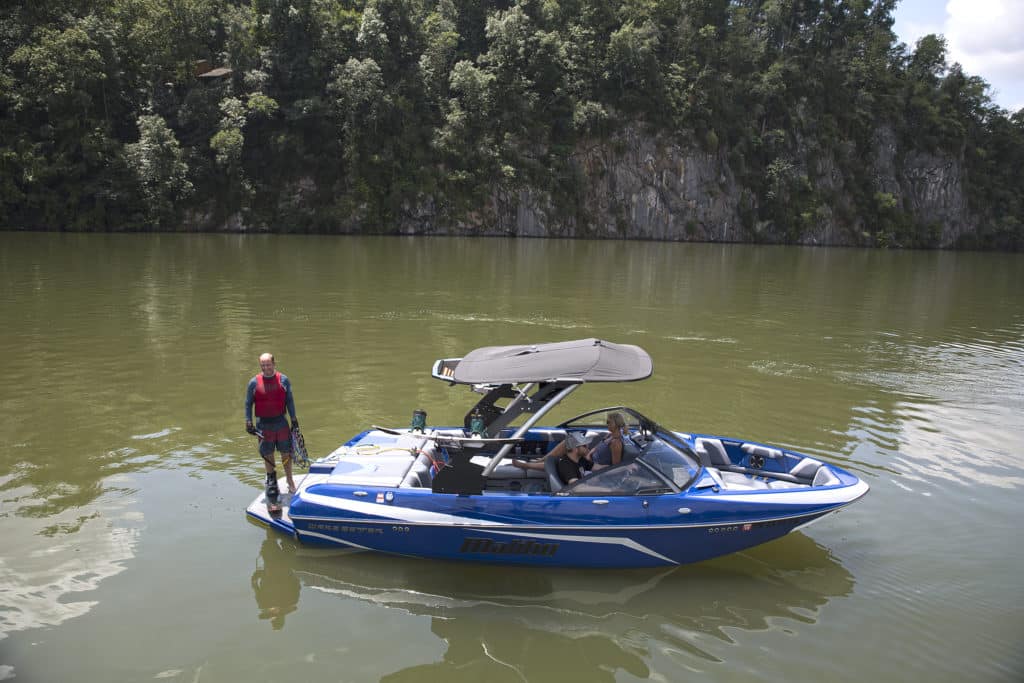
[{"x": 126, "y": 556}]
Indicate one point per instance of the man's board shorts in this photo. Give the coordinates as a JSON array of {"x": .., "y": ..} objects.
[{"x": 275, "y": 435}]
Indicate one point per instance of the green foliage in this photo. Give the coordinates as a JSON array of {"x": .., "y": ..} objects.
[
  {"x": 375, "y": 106},
  {"x": 159, "y": 166},
  {"x": 227, "y": 145},
  {"x": 261, "y": 105}
]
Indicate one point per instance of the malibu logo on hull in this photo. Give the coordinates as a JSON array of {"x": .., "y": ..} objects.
[{"x": 486, "y": 545}]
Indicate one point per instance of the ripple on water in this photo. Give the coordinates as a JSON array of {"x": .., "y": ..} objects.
[
  {"x": 956, "y": 411},
  {"x": 427, "y": 315},
  {"x": 39, "y": 582},
  {"x": 156, "y": 435}
]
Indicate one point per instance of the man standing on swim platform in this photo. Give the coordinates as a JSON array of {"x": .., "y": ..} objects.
[{"x": 271, "y": 393}]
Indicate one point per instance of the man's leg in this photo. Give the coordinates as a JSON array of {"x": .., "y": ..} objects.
[
  {"x": 286, "y": 458},
  {"x": 268, "y": 465}
]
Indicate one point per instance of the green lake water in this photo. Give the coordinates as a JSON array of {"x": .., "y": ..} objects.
[{"x": 126, "y": 554}]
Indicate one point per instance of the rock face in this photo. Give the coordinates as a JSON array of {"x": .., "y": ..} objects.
[
  {"x": 638, "y": 185},
  {"x": 930, "y": 186},
  {"x": 643, "y": 187},
  {"x": 633, "y": 186}
]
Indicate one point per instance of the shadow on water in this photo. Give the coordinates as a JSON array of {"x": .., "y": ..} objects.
[{"x": 498, "y": 622}]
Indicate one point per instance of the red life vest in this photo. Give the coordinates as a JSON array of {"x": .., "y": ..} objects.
[{"x": 269, "y": 396}]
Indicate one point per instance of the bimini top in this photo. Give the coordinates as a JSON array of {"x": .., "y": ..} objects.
[{"x": 582, "y": 360}]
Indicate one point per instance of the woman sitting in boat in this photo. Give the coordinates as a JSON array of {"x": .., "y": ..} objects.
[
  {"x": 609, "y": 450},
  {"x": 596, "y": 455},
  {"x": 572, "y": 462}
]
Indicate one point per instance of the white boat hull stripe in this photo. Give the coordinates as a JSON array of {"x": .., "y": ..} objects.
[
  {"x": 395, "y": 512},
  {"x": 607, "y": 540}
]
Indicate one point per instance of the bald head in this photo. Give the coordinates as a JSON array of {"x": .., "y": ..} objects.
[{"x": 267, "y": 364}]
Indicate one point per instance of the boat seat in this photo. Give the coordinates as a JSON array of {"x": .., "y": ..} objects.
[
  {"x": 782, "y": 484},
  {"x": 630, "y": 448},
  {"x": 825, "y": 477},
  {"x": 712, "y": 452},
  {"x": 735, "y": 481},
  {"x": 806, "y": 468},
  {"x": 419, "y": 474},
  {"x": 551, "y": 468}
]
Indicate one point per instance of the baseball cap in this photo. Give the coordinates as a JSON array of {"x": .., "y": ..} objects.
[{"x": 573, "y": 440}]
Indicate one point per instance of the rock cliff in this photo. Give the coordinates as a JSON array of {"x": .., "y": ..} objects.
[{"x": 637, "y": 185}]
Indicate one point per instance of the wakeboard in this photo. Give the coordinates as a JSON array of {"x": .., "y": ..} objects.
[
  {"x": 276, "y": 504},
  {"x": 274, "y": 507}
]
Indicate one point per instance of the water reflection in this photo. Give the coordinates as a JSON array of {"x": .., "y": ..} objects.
[
  {"x": 589, "y": 657},
  {"x": 759, "y": 335},
  {"x": 47, "y": 563},
  {"x": 134, "y": 350},
  {"x": 951, "y": 408},
  {"x": 504, "y": 623},
  {"x": 274, "y": 584}
]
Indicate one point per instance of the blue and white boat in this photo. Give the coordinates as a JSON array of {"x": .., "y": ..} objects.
[{"x": 451, "y": 492}]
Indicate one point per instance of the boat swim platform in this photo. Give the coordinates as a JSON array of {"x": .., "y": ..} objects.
[{"x": 258, "y": 512}]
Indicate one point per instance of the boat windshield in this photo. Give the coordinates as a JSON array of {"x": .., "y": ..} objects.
[
  {"x": 636, "y": 478},
  {"x": 667, "y": 454},
  {"x": 627, "y": 479}
]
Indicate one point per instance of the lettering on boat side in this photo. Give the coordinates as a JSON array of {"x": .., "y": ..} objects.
[
  {"x": 486, "y": 545},
  {"x": 345, "y": 529},
  {"x": 729, "y": 528}
]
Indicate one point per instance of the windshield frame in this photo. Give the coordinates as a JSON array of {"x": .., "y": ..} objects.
[
  {"x": 645, "y": 424},
  {"x": 648, "y": 430}
]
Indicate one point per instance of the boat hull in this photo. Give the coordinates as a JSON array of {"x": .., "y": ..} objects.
[
  {"x": 456, "y": 527},
  {"x": 550, "y": 546}
]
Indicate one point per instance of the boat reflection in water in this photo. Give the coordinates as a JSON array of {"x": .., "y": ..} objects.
[{"x": 599, "y": 620}]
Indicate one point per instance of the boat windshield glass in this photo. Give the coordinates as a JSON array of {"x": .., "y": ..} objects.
[
  {"x": 664, "y": 455},
  {"x": 627, "y": 479}
]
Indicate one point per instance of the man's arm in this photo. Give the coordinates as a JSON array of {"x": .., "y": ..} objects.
[
  {"x": 250, "y": 391},
  {"x": 289, "y": 398}
]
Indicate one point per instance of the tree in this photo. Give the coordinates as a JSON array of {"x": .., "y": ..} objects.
[{"x": 158, "y": 163}]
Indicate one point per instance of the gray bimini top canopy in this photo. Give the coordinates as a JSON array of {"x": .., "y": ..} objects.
[{"x": 582, "y": 360}]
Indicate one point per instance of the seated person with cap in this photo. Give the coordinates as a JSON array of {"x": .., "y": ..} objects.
[{"x": 572, "y": 459}]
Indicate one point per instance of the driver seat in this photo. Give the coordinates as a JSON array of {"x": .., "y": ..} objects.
[{"x": 551, "y": 469}]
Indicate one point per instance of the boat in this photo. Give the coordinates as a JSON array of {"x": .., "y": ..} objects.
[{"x": 451, "y": 492}]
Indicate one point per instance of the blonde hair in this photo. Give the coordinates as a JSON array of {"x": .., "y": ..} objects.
[{"x": 618, "y": 420}]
